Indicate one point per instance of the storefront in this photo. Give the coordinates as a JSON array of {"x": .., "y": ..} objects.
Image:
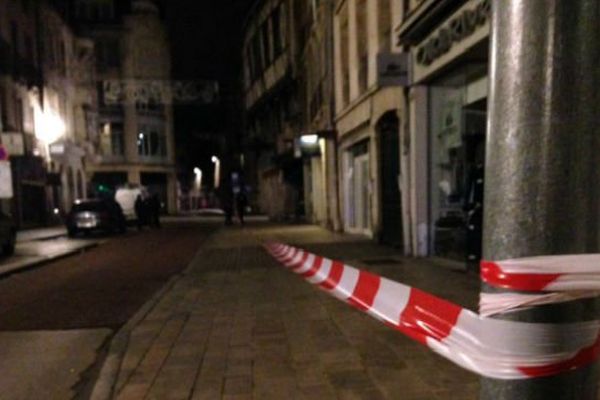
[
  {"x": 457, "y": 121},
  {"x": 449, "y": 95}
]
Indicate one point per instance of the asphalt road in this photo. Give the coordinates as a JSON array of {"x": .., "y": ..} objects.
[
  {"x": 56, "y": 320},
  {"x": 103, "y": 287}
]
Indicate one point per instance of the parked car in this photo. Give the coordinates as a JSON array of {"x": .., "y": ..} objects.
[
  {"x": 95, "y": 215},
  {"x": 8, "y": 234},
  {"x": 126, "y": 196}
]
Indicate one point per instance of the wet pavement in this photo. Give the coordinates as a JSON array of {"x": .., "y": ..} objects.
[{"x": 237, "y": 325}]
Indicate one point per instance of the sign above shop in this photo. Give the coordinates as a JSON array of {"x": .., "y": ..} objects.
[
  {"x": 458, "y": 28},
  {"x": 393, "y": 69}
]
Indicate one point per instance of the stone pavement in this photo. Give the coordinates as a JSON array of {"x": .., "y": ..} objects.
[{"x": 237, "y": 325}]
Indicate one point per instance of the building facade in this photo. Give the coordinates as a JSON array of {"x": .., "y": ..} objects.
[
  {"x": 66, "y": 116},
  {"x": 272, "y": 109},
  {"x": 38, "y": 111},
  {"x": 448, "y": 43},
  {"x": 317, "y": 142},
  {"x": 368, "y": 110},
  {"x": 134, "y": 142}
]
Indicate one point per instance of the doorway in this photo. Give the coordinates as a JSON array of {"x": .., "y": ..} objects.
[{"x": 389, "y": 178}]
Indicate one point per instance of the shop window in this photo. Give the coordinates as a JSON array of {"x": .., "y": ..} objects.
[{"x": 457, "y": 143}]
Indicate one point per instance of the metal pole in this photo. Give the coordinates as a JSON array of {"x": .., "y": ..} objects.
[{"x": 543, "y": 159}]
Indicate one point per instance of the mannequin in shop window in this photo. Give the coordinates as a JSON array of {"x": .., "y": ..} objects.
[{"x": 473, "y": 205}]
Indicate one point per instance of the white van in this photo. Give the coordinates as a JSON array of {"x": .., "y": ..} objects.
[{"x": 126, "y": 196}]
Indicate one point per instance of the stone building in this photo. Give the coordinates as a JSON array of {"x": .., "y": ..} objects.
[
  {"x": 368, "y": 108},
  {"x": 67, "y": 111},
  {"x": 134, "y": 142},
  {"x": 317, "y": 140},
  {"x": 47, "y": 108},
  {"x": 272, "y": 109}
]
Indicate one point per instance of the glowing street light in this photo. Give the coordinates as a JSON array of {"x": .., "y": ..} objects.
[
  {"x": 198, "y": 179},
  {"x": 217, "y": 163}
]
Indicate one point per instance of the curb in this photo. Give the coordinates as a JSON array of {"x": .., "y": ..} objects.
[
  {"x": 105, "y": 383},
  {"x": 38, "y": 262},
  {"x": 104, "y": 386}
]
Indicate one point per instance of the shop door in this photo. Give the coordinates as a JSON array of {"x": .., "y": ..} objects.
[{"x": 391, "y": 212}]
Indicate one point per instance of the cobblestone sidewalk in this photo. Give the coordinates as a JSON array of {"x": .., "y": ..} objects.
[{"x": 239, "y": 326}]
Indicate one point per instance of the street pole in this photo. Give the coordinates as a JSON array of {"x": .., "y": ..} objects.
[{"x": 543, "y": 159}]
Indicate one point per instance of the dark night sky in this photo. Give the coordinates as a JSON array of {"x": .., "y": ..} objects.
[{"x": 205, "y": 44}]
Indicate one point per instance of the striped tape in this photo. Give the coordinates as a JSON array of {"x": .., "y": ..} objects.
[
  {"x": 545, "y": 273},
  {"x": 549, "y": 279},
  {"x": 492, "y": 348}
]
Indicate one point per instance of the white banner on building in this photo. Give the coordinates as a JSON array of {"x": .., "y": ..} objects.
[
  {"x": 6, "y": 186},
  {"x": 146, "y": 91}
]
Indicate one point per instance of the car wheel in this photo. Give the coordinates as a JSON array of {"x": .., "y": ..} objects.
[{"x": 8, "y": 249}]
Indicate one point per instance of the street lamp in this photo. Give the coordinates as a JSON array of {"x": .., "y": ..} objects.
[
  {"x": 217, "y": 163},
  {"x": 197, "y": 187},
  {"x": 198, "y": 180}
]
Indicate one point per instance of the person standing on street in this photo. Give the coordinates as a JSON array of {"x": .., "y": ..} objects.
[
  {"x": 140, "y": 211},
  {"x": 241, "y": 201}
]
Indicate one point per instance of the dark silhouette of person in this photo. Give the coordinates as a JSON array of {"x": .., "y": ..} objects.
[
  {"x": 140, "y": 211},
  {"x": 241, "y": 201},
  {"x": 226, "y": 198},
  {"x": 154, "y": 206}
]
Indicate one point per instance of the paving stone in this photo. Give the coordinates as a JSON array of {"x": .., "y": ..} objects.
[
  {"x": 237, "y": 325},
  {"x": 238, "y": 385}
]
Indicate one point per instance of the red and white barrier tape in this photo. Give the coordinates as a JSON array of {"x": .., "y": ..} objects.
[
  {"x": 493, "y": 348},
  {"x": 562, "y": 278}
]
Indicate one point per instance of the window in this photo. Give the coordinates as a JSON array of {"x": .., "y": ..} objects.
[
  {"x": 111, "y": 139},
  {"x": 14, "y": 33},
  {"x": 266, "y": 43},
  {"x": 108, "y": 53},
  {"x": 152, "y": 141},
  {"x": 26, "y": 6},
  {"x": 29, "y": 49},
  {"x": 149, "y": 107},
  {"x": 385, "y": 25},
  {"x": 345, "y": 61},
  {"x": 250, "y": 66},
  {"x": 95, "y": 10},
  {"x": 257, "y": 56},
  {"x": 362, "y": 44},
  {"x": 277, "y": 33}
]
